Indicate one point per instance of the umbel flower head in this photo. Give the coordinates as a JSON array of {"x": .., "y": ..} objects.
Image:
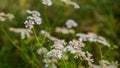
[
  {"x": 4, "y": 17},
  {"x": 48, "y": 35},
  {"x": 93, "y": 38},
  {"x": 60, "y": 49},
  {"x": 76, "y": 6},
  {"x": 31, "y": 20},
  {"x": 47, "y": 2},
  {"x": 105, "y": 64},
  {"x": 64, "y": 30},
  {"x": 71, "y": 23},
  {"x": 24, "y": 32}
]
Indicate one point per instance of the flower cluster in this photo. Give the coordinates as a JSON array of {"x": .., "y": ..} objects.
[
  {"x": 24, "y": 32},
  {"x": 31, "y": 20},
  {"x": 93, "y": 38},
  {"x": 76, "y": 48},
  {"x": 4, "y": 17},
  {"x": 71, "y": 3},
  {"x": 105, "y": 64},
  {"x": 58, "y": 51},
  {"x": 47, "y": 2},
  {"x": 48, "y": 35},
  {"x": 71, "y": 23},
  {"x": 60, "y": 48},
  {"x": 43, "y": 51},
  {"x": 64, "y": 30}
]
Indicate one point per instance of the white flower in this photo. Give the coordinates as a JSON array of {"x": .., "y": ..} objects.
[
  {"x": 57, "y": 51},
  {"x": 42, "y": 51},
  {"x": 76, "y": 48},
  {"x": 89, "y": 59},
  {"x": 71, "y": 49},
  {"x": 52, "y": 66},
  {"x": 48, "y": 35},
  {"x": 64, "y": 30},
  {"x": 93, "y": 38},
  {"x": 29, "y": 24},
  {"x": 10, "y": 16},
  {"x": 47, "y": 60},
  {"x": 47, "y": 2},
  {"x": 103, "y": 41},
  {"x": 71, "y": 3},
  {"x": 24, "y": 32},
  {"x": 50, "y": 63},
  {"x": 55, "y": 54},
  {"x": 76, "y": 43},
  {"x": 4, "y": 17},
  {"x": 105, "y": 64},
  {"x": 71, "y": 23},
  {"x": 59, "y": 44},
  {"x": 34, "y": 13},
  {"x": 31, "y": 20}
]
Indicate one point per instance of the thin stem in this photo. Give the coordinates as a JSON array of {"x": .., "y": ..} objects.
[
  {"x": 36, "y": 37},
  {"x": 46, "y": 17},
  {"x": 57, "y": 16},
  {"x": 101, "y": 55},
  {"x": 80, "y": 63},
  {"x": 8, "y": 37},
  {"x": 65, "y": 64},
  {"x": 35, "y": 60},
  {"x": 87, "y": 46},
  {"x": 108, "y": 51},
  {"x": 27, "y": 57}
]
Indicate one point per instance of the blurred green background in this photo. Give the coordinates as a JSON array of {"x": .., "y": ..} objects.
[{"x": 99, "y": 16}]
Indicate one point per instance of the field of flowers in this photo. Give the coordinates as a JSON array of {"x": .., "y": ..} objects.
[{"x": 59, "y": 33}]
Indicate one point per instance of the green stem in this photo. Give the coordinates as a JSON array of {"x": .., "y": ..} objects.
[
  {"x": 27, "y": 58},
  {"x": 101, "y": 55},
  {"x": 87, "y": 46},
  {"x": 108, "y": 51},
  {"x": 65, "y": 64},
  {"x": 57, "y": 16},
  {"x": 46, "y": 17},
  {"x": 36, "y": 37},
  {"x": 8, "y": 37}
]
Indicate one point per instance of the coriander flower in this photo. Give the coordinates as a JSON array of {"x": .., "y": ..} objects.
[
  {"x": 50, "y": 63},
  {"x": 71, "y": 3},
  {"x": 29, "y": 24},
  {"x": 93, "y": 38},
  {"x": 58, "y": 50},
  {"x": 76, "y": 48},
  {"x": 89, "y": 59},
  {"x": 48, "y": 35},
  {"x": 71, "y": 23},
  {"x": 4, "y": 17},
  {"x": 31, "y": 20},
  {"x": 55, "y": 54},
  {"x": 10, "y": 16},
  {"x": 47, "y": 2},
  {"x": 105, "y": 64},
  {"x": 42, "y": 51},
  {"x": 22, "y": 31},
  {"x": 64, "y": 30},
  {"x": 59, "y": 44}
]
